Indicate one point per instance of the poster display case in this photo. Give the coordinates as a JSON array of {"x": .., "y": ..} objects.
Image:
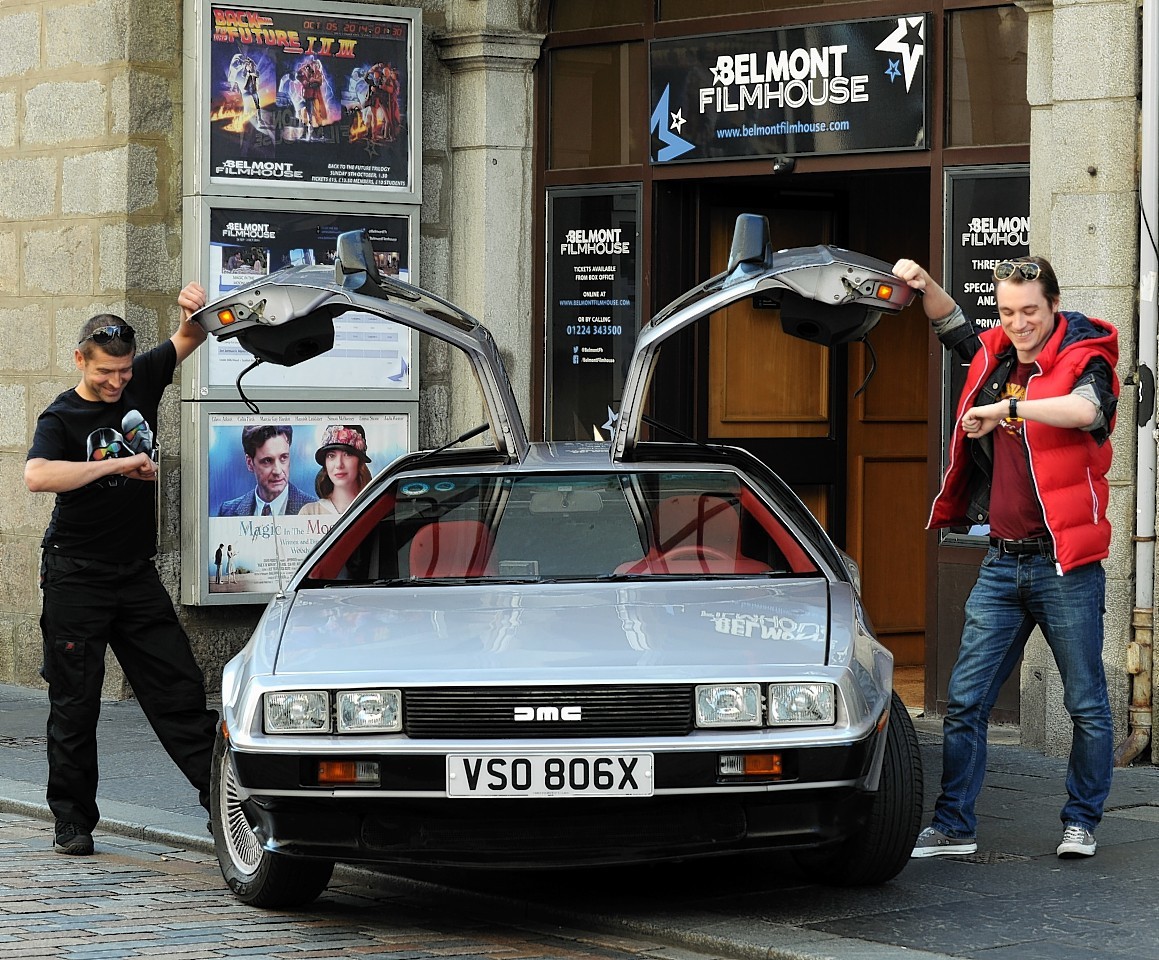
[
  {"x": 270, "y": 484},
  {"x": 305, "y": 100},
  {"x": 242, "y": 243}
]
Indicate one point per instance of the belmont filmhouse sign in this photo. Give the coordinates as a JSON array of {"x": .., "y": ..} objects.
[{"x": 826, "y": 88}]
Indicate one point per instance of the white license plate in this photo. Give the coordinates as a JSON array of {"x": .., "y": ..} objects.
[{"x": 565, "y": 775}]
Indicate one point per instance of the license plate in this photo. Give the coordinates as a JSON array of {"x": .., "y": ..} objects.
[{"x": 566, "y": 775}]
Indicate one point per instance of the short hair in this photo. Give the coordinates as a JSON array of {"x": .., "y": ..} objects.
[
  {"x": 254, "y": 436},
  {"x": 1046, "y": 276},
  {"x": 116, "y": 347}
]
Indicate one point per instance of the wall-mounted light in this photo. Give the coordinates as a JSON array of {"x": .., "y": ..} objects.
[{"x": 784, "y": 164}]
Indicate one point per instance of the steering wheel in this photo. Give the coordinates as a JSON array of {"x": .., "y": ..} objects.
[{"x": 697, "y": 551}]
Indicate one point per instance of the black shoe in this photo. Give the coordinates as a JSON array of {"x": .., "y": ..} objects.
[{"x": 73, "y": 839}]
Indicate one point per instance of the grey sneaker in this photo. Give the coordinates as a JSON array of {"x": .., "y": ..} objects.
[
  {"x": 932, "y": 842},
  {"x": 73, "y": 839},
  {"x": 1077, "y": 841}
]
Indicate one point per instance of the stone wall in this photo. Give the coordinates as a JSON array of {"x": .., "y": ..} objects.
[
  {"x": 1084, "y": 162},
  {"x": 90, "y": 221}
]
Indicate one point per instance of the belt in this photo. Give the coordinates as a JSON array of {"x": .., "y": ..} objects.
[{"x": 1040, "y": 546}]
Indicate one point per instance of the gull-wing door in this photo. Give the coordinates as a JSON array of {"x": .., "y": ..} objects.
[
  {"x": 826, "y": 294},
  {"x": 288, "y": 317}
]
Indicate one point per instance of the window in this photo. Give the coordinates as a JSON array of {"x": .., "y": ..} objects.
[
  {"x": 986, "y": 88},
  {"x": 585, "y": 14},
  {"x": 598, "y": 117}
]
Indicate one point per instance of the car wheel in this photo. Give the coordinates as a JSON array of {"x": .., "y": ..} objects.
[
  {"x": 882, "y": 847},
  {"x": 256, "y": 876}
]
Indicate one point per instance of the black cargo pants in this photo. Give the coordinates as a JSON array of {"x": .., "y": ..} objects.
[{"x": 93, "y": 604}]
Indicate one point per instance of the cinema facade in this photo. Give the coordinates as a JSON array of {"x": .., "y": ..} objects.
[{"x": 565, "y": 169}]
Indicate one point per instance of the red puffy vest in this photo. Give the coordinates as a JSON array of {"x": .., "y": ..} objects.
[{"x": 1068, "y": 467}]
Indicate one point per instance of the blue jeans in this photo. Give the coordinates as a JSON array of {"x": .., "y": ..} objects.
[{"x": 1012, "y": 595}]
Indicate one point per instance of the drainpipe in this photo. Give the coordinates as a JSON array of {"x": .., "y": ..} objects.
[{"x": 1139, "y": 659}]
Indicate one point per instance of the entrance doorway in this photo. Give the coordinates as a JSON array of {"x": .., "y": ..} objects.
[{"x": 845, "y": 426}]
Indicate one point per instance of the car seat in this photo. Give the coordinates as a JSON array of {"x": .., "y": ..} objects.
[{"x": 451, "y": 548}]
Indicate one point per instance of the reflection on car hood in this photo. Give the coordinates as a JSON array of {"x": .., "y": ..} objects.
[{"x": 608, "y": 632}]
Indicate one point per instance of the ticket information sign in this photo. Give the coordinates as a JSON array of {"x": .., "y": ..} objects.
[{"x": 593, "y": 304}]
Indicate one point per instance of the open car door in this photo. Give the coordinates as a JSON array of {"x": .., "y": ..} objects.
[
  {"x": 288, "y": 317},
  {"x": 826, "y": 295}
]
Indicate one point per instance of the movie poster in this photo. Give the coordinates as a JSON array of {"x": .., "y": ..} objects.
[
  {"x": 278, "y": 482},
  {"x": 302, "y": 98},
  {"x": 245, "y": 245}
]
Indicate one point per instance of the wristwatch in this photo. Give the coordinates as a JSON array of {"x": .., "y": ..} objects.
[{"x": 1013, "y": 408}]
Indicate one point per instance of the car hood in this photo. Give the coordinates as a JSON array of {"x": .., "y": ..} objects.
[{"x": 557, "y": 633}]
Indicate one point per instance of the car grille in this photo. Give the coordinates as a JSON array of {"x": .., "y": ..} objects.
[{"x": 609, "y": 711}]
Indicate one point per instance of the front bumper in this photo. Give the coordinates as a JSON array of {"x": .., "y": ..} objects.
[{"x": 408, "y": 818}]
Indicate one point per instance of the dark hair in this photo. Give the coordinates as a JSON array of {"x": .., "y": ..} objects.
[
  {"x": 254, "y": 437},
  {"x": 116, "y": 347},
  {"x": 1046, "y": 276}
]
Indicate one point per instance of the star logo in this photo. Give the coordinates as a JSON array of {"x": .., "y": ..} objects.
[
  {"x": 678, "y": 120},
  {"x": 674, "y": 145},
  {"x": 908, "y": 40},
  {"x": 892, "y": 71},
  {"x": 610, "y": 423},
  {"x": 371, "y": 148}
]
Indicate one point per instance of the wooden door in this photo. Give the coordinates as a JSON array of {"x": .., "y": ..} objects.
[
  {"x": 859, "y": 462},
  {"x": 768, "y": 391}
]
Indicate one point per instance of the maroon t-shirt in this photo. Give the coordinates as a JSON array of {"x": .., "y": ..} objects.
[{"x": 1015, "y": 513}]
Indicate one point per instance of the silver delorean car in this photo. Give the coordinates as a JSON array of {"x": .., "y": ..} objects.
[{"x": 568, "y": 653}]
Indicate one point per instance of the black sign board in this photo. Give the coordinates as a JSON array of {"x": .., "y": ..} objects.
[
  {"x": 987, "y": 220},
  {"x": 826, "y": 88},
  {"x": 593, "y": 311}
]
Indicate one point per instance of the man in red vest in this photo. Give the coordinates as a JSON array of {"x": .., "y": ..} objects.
[{"x": 1028, "y": 455}]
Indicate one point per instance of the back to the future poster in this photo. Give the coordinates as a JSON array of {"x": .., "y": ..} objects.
[{"x": 309, "y": 99}]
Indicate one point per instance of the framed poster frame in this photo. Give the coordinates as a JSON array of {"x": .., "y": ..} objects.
[
  {"x": 218, "y": 490},
  {"x": 974, "y": 240},
  {"x": 592, "y": 310},
  {"x": 211, "y": 374},
  {"x": 304, "y": 100}
]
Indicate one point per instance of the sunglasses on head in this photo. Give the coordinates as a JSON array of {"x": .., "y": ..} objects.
[
  {"x": 1027, "y": 269},
  {"x": 102, "y": 335}
]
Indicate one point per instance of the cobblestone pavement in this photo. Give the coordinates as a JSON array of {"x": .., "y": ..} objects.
[{"x": 140, "y": 899}]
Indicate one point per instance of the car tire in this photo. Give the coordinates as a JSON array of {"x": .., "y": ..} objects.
[
  {"x": 882, "y": 847},
  {"x": 256, "y": 876}
]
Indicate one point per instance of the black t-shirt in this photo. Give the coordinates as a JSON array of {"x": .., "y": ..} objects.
[{"x": 113, "y": 518}]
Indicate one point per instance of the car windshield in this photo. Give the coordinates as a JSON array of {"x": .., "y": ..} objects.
[{"x": 555, "y": 527}]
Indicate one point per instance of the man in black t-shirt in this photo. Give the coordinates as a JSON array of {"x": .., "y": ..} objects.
[{"x": 94, "y": 448}]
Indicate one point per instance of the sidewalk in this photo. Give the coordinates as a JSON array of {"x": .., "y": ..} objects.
[{"x": 1013, "y": 900}]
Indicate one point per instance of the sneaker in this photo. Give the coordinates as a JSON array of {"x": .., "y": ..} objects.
[
  {"x": 932, "y": 842},
  {"x": 1077, "y": 841},
  {"x": 73, "y": 839}
]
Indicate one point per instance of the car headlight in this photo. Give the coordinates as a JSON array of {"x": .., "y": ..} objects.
[
  {"x": 297, "y": 711},
  {"x": 813, "y": 703},
  {"x": 728, "y": 705},
  {"x": 369, "y": 711}
]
